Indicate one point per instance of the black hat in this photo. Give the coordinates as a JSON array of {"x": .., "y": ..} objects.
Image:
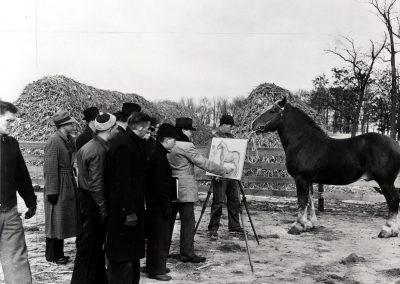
[
  {"x": 185, "y": 123},
  {"x": 226, "y": 119},
  {"x": 166, "y": 130},
  {"x": 90, "y": 114},
  {"x": 129, "y": 108}
]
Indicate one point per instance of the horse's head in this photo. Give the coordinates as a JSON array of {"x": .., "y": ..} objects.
[{"x": 270, "y": 120}]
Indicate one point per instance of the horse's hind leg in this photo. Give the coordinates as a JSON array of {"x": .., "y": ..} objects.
[
  {"x": 391, "y": 228},
  {"x": 302, "y": 224}
]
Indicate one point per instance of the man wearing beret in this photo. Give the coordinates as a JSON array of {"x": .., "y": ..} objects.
[
  {"x": 222, "y": 187},
  {"x": 90, "y": 258},
  {"x": 60, "y": 204},
  {"x": 89, "y": 116},
  {"x": 14, "y": 177},
  {"x": 160, "y": 192}
]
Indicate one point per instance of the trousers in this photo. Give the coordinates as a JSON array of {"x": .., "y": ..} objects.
[
  {"x": 13, "y": 251},
  {"x": 157, "y": 241},
  {"x": 221, "y": 188},
  {"x": 89, "y": 264},
  {"x": 186, "y": 213},
  {"x": 124, "y": 272}
]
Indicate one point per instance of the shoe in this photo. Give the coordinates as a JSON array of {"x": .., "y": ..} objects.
[
  {"x": 144, "y": 269},
  {"x": 60, "y": 261},
  {"x": 194, "y": 259},
  {"x": 213, "y": 234},
  {"x": 161, "y": 277},
  {"x": 66, "y": 257},
  {"x": 236, "y": 231}
]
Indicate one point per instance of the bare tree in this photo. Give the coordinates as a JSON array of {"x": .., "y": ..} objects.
[
  {"x": 362, "y": 66},
  {"x": 387, "y": 16}
]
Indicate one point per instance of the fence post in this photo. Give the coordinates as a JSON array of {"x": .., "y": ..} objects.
[{"x": 321, "y": 198}]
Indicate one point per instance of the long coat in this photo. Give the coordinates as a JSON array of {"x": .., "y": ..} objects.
[
  {"x": 183, "y": 157},
  {"x": 126, "y": 165},
  {"x": 61, "y": 220}
]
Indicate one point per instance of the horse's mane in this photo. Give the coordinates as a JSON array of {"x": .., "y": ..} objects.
[{"x": 306, "y": 118}]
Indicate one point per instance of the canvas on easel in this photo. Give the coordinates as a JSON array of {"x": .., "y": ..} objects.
[{"x": 229, "y": 153}]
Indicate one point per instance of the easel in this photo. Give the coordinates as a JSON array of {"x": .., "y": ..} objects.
[{"x": 244, "y": 201}]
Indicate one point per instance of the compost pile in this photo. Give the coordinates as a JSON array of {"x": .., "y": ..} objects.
[
  {"x": 259, "y": 99},
  {"x": 44, "y": 97}
]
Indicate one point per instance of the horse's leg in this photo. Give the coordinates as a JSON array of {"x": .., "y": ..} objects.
[
  {"x": 302, "y": 223},
  {"x": 312, "y": 217},
  {"x": 391, "y": 228}
]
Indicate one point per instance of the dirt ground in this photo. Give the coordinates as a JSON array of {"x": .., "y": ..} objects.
[{"x": 343, "y": 249}]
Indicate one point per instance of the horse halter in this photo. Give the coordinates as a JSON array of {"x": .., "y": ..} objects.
[{"x": 275, "y": 105}]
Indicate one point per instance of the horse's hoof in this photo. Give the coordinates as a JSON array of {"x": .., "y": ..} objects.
[
  {"x": 386, "y": 232},
  {"x": 296, "y": 229}
]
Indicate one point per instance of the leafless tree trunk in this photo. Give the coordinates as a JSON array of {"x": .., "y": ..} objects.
[
  {"x": 385, "y": 13},
  {"x": 361, "y": 71}
]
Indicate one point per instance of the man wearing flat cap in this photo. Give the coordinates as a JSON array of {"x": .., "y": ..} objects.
[
  {"x": 222, "y": 187},
  {"x": 160, "y": 192},
  {"x": 89, "y": 116},
  {"x": 90, "y": 257},
  {"x": 123, "y": 115},
  {"x": 60, "y": 206}
]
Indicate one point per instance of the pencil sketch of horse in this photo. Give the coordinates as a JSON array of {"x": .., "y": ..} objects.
[{"x": 227, "y": 156}]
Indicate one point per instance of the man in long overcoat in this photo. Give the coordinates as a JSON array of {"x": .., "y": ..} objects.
[
  {"x": 160, "y": 192},
  {"x": 126, "y": 164},
  {"x": 60, "y": 205}
]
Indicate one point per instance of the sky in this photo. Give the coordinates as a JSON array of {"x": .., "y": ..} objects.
[{"x": 168, "y": 49}]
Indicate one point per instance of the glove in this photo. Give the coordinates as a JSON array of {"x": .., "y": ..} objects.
[
  {"x": 30, "y": 213},
  {"x": 131, "y": 220},
  {"x": 52, "y": 198},
  {"x": 166, "y": 212}
]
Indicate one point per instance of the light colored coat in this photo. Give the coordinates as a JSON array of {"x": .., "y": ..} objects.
[
  {"x": 61, "y": 220},
  {"x": 182, "y": 158}
]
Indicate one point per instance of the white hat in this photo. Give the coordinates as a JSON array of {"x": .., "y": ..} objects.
[{"x": 104, "y": 121}]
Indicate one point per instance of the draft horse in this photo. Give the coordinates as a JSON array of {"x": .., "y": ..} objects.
[{"x": 314, "y": 157}]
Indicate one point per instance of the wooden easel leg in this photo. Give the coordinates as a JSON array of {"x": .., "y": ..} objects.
[{"x": 247, "y": 211}]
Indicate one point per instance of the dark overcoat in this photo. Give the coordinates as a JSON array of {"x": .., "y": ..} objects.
[
  {"x": 85, "y": 137},
  {"x": 160, "y": 185},
  {"x": 126, "y": 165},
  {"x": 61, "y": 220}
]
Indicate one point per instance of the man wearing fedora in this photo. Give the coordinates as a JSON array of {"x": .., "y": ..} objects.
[
  {"x": 222, "y": 187},
  {"x": 126, "y": 111},
  {"x": 89, "y": 116},
  {"x": 60, "y": 205},
  {"x": 160, "y": 192},
  {"x": 126, "y": 165},
  {"x": 14, "y": 177},
  {"x": 183, "y": 157},
  {"x": 90, "y": 258}
]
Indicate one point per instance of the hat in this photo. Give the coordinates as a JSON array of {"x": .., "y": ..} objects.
[
  {"x": 166, "y": 130},
  {"x": 226, "y": 119},
  {"x": 129, "y": 108},
  {"x": 184, "y": 122},
  {"x": 90, "y": 114},
  {"x": 104, "y": 121},
  {"x": 62, "y": 117}
]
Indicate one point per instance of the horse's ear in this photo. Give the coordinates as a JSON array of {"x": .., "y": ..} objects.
[{"x": 281, "y": 102}]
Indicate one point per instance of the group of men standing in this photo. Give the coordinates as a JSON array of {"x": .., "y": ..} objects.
[{"x": 120, "y": 170}]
